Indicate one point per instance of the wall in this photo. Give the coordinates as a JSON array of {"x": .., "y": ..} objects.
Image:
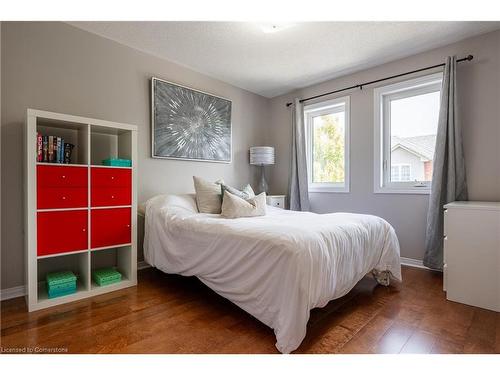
[
  {"x": 479, "y": 93},
  {"x": 56, "y": 67}
]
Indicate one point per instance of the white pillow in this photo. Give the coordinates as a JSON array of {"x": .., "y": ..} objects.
[
  {"x": 234, "y": 206},
  {"x": 208, "y": 195}
]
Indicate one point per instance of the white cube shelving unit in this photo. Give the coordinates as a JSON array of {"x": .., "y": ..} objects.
[{"x": 94, "y": 141}]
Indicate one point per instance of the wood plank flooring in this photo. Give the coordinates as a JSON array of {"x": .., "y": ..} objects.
[{"x": 174, "y": 314}]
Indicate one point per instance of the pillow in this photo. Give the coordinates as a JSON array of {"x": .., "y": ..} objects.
[
  {"x": 208, "y": 195},
  {"x": 245, "y": 193},
  {"x": 234, "y": 206}
]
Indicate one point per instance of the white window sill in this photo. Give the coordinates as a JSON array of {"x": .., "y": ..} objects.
[{"x": 418, "y": 191}]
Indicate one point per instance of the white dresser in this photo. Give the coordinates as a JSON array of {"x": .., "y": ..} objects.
[{"x": 471, "y": 271}]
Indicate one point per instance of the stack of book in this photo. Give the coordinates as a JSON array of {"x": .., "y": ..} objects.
[
  {"x": 52, "y": 149},
  {"x": 106, "y": 276},
  {"x": 60, "y": 283}
]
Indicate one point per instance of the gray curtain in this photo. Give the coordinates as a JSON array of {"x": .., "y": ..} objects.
[
  {"x": 448, "y": 177},
  {"x": 297, "y": 185}
]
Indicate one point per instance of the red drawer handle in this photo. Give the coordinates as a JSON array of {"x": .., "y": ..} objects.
[
  {"x": 128, "y": 225},
  {"x": 112, "y": 197},
  {"x": 63, "y": 176},
  {"x": 84, "y": 229},
  {"x": 112, "y": 177}
]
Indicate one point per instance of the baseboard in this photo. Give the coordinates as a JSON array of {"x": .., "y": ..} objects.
[
  {"x": 9, "y": 293},
  {"x": 410, "y": 262},
  {"x": 19, "y": 291}
]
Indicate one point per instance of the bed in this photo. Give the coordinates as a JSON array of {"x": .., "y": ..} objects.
[{"x": 276, "y": 267}]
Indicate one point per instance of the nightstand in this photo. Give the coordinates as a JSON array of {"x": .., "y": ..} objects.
[{"x": 276, "y": 201}]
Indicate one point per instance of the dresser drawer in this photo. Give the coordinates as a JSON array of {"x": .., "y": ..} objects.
[
  {"x": 50, "y": 197},
  {"x": 61, "y": 176},
  {"x": 276, "y": 201},
  {"x": 61, "y": 232},
  {"x": 110, "y": 177},
  {"x": 110, "y": 227},
  {"x": 118, "y": 196}
]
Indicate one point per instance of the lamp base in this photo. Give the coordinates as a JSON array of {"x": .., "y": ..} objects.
[{"x": 263, "y": 187}]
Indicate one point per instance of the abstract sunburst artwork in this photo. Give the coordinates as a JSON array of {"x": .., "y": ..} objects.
[{"x": 190, "y": 124}]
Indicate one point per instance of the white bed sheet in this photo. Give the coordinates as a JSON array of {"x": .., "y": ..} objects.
[{"x": 276, "y": 267}]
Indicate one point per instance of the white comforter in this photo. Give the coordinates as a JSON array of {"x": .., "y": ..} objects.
[{"x": 276, "y": 267}]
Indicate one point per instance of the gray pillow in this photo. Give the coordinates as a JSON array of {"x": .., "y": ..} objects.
[{"x": 245, "y": 193}]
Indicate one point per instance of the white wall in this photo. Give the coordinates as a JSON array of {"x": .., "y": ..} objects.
[{"x": 479, "y": 93}]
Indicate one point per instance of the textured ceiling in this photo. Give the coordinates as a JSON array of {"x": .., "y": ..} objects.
[{"x": 299, "y": 55}]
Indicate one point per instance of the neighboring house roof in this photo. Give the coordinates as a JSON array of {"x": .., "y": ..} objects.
[{"x": 422, "y": 146}]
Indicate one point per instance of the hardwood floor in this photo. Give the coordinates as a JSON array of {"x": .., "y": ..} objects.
[{"x": 174, "y": 314}]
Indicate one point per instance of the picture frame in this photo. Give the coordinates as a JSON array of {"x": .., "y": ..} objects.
[{"x": 189, "y": 124}]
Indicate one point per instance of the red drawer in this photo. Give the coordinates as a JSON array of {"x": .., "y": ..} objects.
[
  {"x": 110, "y": 227},
  {"x": 119, "y": 196},
  {"x": 51, "y": 197},
  {"x": 61, "y": 232},
  {"x": 110, "y": 177},
  {"x": 61, "y": 176}
]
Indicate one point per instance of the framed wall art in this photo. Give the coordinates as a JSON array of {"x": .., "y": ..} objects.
[{"x": 189, "y": 124}]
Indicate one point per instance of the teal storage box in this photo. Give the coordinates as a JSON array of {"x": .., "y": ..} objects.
[
  {"x": 60, "y": 283},
  {"x": 106, "y": 276},
  {"x": 117, "y": 162},
  {"x": 61, "y": 292}
]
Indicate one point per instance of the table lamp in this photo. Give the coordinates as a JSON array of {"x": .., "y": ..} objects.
[{"x": 262, "y": 155}]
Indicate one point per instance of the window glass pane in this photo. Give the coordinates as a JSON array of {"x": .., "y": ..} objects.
[
  {"x": 328, "y": 147},
  {"x": 394, "y": 173},
  {"x": 413, "y": 135},
  {"x": 405, "y": 173}
]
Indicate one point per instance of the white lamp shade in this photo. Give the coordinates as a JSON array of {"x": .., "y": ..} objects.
[{"x": 262, "y": 155}]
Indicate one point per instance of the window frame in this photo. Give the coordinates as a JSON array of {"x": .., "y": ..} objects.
[
  {"x": 319, "y": 109},
  {"x": 382, "y": 135}
]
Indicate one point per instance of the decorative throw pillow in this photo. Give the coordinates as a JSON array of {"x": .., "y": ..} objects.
[
  {"x": 208, "y": 195},
  {"x": 234, "y": 206},
  {"x": 245, "y": 193}
]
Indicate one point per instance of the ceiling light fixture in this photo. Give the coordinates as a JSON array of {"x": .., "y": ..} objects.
[{"x": 269, "y": 28}]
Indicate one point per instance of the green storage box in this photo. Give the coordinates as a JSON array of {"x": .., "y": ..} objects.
[
  {"x": 61, "y": 287},
  {"x": 60, "y": 283},
  {"x": 117, "y": 162},
  {"x": 58, "y": 278},
  {"x": 106, "y": 276}
]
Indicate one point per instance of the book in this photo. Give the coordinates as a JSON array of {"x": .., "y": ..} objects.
[
  {"x": 58, "y": 158},
  {"x": 45, "y": 149},
  {"x": 54, "y": 159},
  {"x": 39, "y": 156},
  {"x": 61, "y": 152},
  {"x": 68, "y": 148},
  {"x": 50, "y": 149}
]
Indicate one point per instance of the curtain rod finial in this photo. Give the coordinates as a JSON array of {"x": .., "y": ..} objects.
[{"x": 469, "y": 57}]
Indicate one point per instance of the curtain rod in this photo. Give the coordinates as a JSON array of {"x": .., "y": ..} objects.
[{"x": 360, "y": 85}]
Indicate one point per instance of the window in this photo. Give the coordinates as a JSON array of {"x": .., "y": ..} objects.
[
  {"x": 400, "y": 172},
  {"x": 327, "y": 142},
  {"x": 406, "y": 118}
]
